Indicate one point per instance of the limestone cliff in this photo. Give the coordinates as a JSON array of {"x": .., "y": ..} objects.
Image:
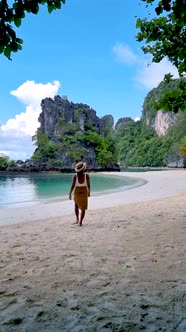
[
  {"x": 58, "y": 113},
  {"x": 122, "y": 121},
  {"x": 161, "y": 122},
  {"x": 165, "y": 123},
  {"x": 72, "y": 131}
]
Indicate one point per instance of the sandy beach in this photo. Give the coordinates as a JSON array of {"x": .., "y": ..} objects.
[{"x": 124, "y": 270}]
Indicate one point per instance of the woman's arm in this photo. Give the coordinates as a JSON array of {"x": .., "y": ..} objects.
[
  {"x": 88, "y": 184},
  {"x": 72, "y": 186}
]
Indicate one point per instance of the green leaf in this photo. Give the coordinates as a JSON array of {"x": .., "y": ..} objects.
[
  {"x": 19, "y": 40},
  {"x": 14, "y": 46},
  {"x": 138, "y": 23},
  {"x": 50, "y": 8},
  {"x": 58, "y": 5},
  {"x": 159, "y": 10},
  {"x": 19, "y": 47},
  {"x": 1, "y": 49},
  {"x": 17, "y": 21},
  {"x": 35, "y": 9},
  {"x": 7, "y": 52}
]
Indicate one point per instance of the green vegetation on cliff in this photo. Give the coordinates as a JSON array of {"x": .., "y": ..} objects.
[
  {"x": 154, "y": 97},
  {"x": 70, "y": 132},
  {"x": 76, "y": 133},
  {"x": 177, "y": 132},
  {"x": 77, "y": 146},
  {"x": 139, "y": 145}
]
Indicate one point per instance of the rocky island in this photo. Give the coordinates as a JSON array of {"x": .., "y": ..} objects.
[{"x": 70, "y": 132}]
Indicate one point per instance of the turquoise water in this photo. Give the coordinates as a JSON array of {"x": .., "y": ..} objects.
[
  {"x": 142, "y": 169},
  {"x": 34, "y": 187}
]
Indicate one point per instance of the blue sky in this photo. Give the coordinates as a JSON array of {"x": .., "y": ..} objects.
[{"x": 86, "y": 51}]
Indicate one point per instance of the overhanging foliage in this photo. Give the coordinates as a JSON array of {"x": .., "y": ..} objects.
[
  {"x": 165, "y": 36},
  {"x": 11, "y": 17}
]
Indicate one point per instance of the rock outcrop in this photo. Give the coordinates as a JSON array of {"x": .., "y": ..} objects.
[
  {"x": 121, "y": 121},
  {"x": 75, "y": 132},
  {"x": 30, "y": 166},
  {"x": 161, "y": 122},
  {"x": 58, "y": 113}
]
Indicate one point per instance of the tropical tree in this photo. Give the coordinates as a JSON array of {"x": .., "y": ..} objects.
[
  {"x": 164, "y": 36},
  {"x": 5, "y": 162},
  {"x": 11, "y": 16}
]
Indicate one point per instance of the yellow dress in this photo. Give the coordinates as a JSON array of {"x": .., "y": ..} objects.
[{"x": 81, "y": 194}]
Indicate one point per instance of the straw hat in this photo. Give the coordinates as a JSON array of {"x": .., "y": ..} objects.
[{"x": 80, "y": 166}]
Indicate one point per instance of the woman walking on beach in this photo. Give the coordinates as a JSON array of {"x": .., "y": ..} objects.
[{"x": 81, "y": 187}]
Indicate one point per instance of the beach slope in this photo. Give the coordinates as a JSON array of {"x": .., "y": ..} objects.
[{"x": 124, "y": 270}]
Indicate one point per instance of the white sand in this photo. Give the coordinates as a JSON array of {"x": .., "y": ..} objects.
[{"x": 124, "y": 270}]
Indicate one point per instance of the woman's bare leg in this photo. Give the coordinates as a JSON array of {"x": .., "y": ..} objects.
[
  {"x": 77, "y": 214},
  {"x": 82, "y": 217}
]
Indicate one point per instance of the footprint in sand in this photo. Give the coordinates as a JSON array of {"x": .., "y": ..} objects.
[
  {"x": 14, "y": 321},
  {"x": 70, "y": 301}
]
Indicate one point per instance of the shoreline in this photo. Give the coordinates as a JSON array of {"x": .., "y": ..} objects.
[
  {"x": 94, "y": 192},
  {"x": 157, "y": 185}
]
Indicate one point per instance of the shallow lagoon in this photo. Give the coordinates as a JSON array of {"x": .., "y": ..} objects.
[{"x": 34, "y": 187}]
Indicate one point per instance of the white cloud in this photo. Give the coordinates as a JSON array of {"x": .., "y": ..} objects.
[
  {"x": 25, "y": 123},
  {"x": 151, "y": 74},
  {"x": 124, "y": 54},
  {"x": 136, "y": 119},
  {"x": 15, "y": 146},
  {"x": 16, "y": 134},
  {"x": 31, "y": 93},
  {"x": 148, "y": 73}
]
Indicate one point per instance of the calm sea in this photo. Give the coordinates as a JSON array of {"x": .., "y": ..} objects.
[{"x": 18, "y": 189}]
